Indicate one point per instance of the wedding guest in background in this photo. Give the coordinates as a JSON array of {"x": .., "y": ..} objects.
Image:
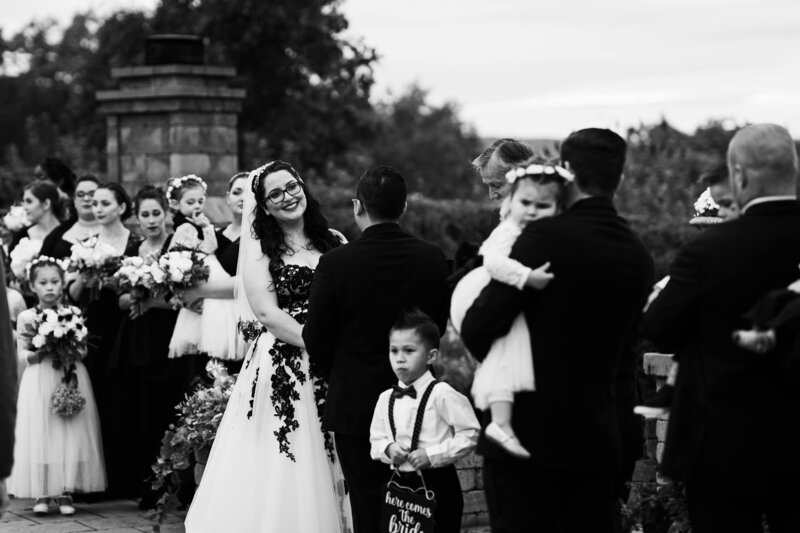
[
  {"x": 111, "y": 205},
  {"x": 146, "y": 385},
  {"x": 8, "y": 393},
  {"x": 55, "y": 455},
  {"x": 581, "y": 324},
  {"x": 732, "y": 408},
  {"x": 58, "y": 243},
  {"x": 497, "y": 159},
  {"x": 357, "y": 293},
  {"x": 447, "y": 431}
]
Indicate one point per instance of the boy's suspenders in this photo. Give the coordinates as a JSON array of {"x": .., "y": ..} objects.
[{"x": 418, "y": 421}]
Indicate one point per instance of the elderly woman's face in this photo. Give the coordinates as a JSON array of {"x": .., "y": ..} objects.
[{"x": 494, "y": 177}]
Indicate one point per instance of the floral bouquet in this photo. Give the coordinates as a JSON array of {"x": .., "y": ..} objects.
[
  {"x": 16, "y": 219},
  {"x": 96, "y": 260},
  {"x": 61, "y": 335},
  {"x": 182, "y": 269},
  {"x": 189, "y": 439},
  {"x": 21, "y": 256},
  {"x": 139, "y": 276}
]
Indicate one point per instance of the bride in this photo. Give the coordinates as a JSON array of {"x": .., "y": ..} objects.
[{"x": 271, "y": 467}]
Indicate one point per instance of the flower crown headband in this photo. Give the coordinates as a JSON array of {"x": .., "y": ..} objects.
[
  {"x": 262, "y": 170},
  {"x": 535, "y": 170},
  {"x": 176, "y": 183},
  {"x": 45, "y": 261}
]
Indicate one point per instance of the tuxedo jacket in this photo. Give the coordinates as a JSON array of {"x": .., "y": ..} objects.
[
  {"x": 579, "y": 327},
  {"x": 358, "y": 292},
  {"x": 733, "y": 411},
  {"x": 8, "y": 381}
]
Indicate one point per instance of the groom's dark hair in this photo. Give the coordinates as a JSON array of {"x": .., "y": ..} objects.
[
  {"x": 597, "y": 158},
  {"x": 383, "y": 192}
]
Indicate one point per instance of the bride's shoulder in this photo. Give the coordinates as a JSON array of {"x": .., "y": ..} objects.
[{"x": 339, "y": 235}]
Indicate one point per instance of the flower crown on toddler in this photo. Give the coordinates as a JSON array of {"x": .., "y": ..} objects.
[
  {"x": 175, "y": 184},
  {"x": 535, "y": 170},
  {"x": 44, "y": 260}
]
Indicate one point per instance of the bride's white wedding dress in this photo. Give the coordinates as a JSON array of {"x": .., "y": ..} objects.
[{"x": 271, "y": 468}]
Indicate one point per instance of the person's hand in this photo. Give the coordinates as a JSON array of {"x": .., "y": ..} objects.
[
  {"x": 200, "y": 219},
  {"x": 419, "y": 459},
  {"x": 140, "y": 307},
  {"x": 396, "y": 453},
  {"x": 539, "y": 278},
  {"x": 5, "y": 502},
  {"x": 33, "y": 358},
  {"x": 191, "y": 296},
  {"x": 196, "y": 306}
]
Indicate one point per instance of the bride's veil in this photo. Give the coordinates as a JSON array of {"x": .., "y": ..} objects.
[{"x": 249, "y": 252}]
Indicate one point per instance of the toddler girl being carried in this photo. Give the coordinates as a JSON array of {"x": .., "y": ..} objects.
[{"x": 538, "y": 190}]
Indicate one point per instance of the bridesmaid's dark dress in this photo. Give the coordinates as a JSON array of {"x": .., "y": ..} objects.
[
  {"x": 54, "y": 244},
  {"x": 103, "y": 318},
  {"x": 146, "y": 388},
  {"x": 228, "y": 256}
]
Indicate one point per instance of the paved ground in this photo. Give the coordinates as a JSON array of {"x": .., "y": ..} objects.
[{"x": 116, "y": 516}]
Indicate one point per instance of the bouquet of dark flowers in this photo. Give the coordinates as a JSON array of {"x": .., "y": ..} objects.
[
  {"x": 139, "y": 276},
  {"x": 61, "y": 335},
  {"x": 188, "y": 441},
  {"x": 180, "y": 268},
  {"x": 97, "y": 261}
]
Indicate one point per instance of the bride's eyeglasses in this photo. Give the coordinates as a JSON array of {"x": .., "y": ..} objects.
[{"x": 276, "y": 196}]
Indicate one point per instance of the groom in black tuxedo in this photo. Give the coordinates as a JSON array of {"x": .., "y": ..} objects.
[
  {"x": 734, "y": 419},
  {"x": 359, "y": 289},
  {"x": 580, "y": 325}
]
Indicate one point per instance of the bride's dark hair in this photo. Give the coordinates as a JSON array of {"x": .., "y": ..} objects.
[{"x": 269, "y": 233}]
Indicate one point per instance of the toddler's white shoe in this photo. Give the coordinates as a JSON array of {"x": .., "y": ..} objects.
[
  {"x": 41, "y": 507},
  {"x": 509, "y": 443}
]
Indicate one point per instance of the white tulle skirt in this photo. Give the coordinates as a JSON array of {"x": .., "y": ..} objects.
[
  {"x": 218, "y": 330},
  {"x": 186, "y": 335},
  {"x": 508, "y": 367},
  {"x": 55, "y": 455},
  {"x": 248, "y": 484}
]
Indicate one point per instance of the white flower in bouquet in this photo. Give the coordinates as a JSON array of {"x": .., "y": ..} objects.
[
  {"x": 21, "y": 256},
  {"x": 16, "y": 218},
  {"x": 38, "y": 341},
  {"x": 59, "y": 332},
  {"x": 157, "y": 273},
  {"x": 46, "y": 328}
]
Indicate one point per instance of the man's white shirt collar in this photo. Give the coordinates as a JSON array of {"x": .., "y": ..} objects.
[{"x": 765, "y": 199}]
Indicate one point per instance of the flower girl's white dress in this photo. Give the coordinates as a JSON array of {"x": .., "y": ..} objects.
[
  {"x": 53, "y": 455},
  {"x": 508, "y": 366},
  {"x": 213, "y": 331}
]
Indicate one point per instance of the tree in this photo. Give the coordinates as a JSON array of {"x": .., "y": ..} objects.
[{"x": 429, "y": 144}]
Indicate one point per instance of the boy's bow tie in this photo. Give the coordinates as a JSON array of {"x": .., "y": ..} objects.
[{"x": 399, "y": 392}]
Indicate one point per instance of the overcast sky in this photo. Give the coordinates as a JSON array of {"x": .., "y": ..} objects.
[{"x": 534, "y": 68}]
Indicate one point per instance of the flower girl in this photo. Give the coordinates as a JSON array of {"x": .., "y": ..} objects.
[
  {"x": 537, "y": 191},
  {"x": 57, "y": 449},
  {"x": 193, "y": 231}
]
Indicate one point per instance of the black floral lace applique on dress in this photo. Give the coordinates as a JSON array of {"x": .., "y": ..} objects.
[{"x": 292, "y": 286}]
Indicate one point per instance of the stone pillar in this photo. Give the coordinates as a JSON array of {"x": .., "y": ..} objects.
[{"x": 170, "y": 120}]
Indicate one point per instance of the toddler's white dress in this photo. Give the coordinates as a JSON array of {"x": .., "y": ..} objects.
[
  {"x": 53, "y": 455},
  {"x": 508, "y": 367}
]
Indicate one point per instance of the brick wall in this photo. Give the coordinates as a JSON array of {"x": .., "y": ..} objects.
[{"x": 470, "y": 473}]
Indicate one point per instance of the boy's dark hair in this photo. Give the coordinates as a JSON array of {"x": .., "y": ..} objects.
[
  {"x": 423, "y": 325},
  {"x": 717, "y": 176},
  {"x": 383, "y": 192},
  {"x": 597, "y": 158}
]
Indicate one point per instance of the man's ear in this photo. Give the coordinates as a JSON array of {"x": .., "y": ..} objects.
[
  {"x": 358, "y": 207},
  {"x": 405, "y": 207}
]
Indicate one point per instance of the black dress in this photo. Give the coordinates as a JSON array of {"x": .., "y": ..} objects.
[
  {"x": 103, "y": 319},
  {"x": 228, "y": 256},
  {"x": 54, "y": 244},
  {"x": 145, "y": 387}
]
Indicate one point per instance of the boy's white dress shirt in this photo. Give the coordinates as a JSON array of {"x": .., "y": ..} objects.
[{"x": 449, "y": 427}]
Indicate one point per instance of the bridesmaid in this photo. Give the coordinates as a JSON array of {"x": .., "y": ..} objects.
[
  {"x": 228, "y": 255},
  {"x": 58, "y": 244},
  {"x": 44, "y": 207},
  {"x": 146, "y": 384},
  {"x": 111, "y": 205}
]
